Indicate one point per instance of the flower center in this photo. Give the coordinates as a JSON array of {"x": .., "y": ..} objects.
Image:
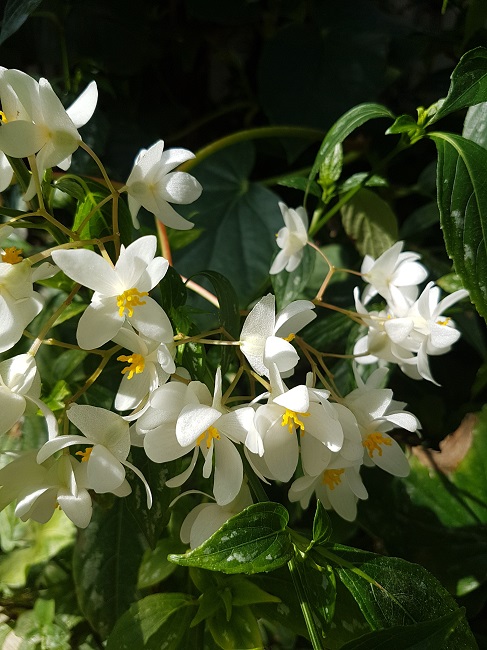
[
  {"x": 291, "y": 420},
  {"x": 3, "y": 117},
  {"x": 137, "y": 364},
  {"x": 289, "y": 338},
  {"x": 374, "y": 441},
  {"x": 12, "y": 255},
  {"x": 209, "y": 434},
  {"x": 332, "y": 478},
  {"x": 443, "y": 322},
  {"x": 130, "y": 299},
  {"x": 85, "y": 455}
]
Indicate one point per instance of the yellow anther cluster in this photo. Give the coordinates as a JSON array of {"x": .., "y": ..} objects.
[
  {"x": 290, "y": 420},
  {"x": 443, "y": 322},
  {"x": 130, "y": 299},
  {"x": 209, "y": 434},
  {"x": 3, "y": 117},
  {"x": 332, "y": 478},
  {"x": 289, "y": 338},
  {"x": 136, "y": 361},
  {"x": 374, "y": 441},
  {"x": 12, "y": 255},
  {"x": 85, "y": 455}
]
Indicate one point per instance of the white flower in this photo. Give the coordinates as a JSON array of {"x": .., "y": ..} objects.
[
  {"x": 35, "y": 121},
  {"x": 108, "y": 433},
  {"x": 6, "y": 172},
  {"x": 155, "y": 429},
  {"x": 287, "y": 412},
  {"x": 150, "y": 364},
  {"x": 338, "y": 488},
  {"x": 206, "y": 518},
  {"x": 40, "y": 489},
  {"x": 153, "y": 184},
  {"x": 409, "y": 338},
  {"x": 376, "y": 413},
  {"x": 394, "y": 275},
  {"x": 265, "y": 337},
  {"x": 291, "y": 239},
  {"x": 214, "y": 430},
  {"x": 20, "y": 385},
  {"x": 121, "y": 292}
]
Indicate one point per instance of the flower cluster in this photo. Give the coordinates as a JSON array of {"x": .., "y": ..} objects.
[
  {"x": 306, "y": 432},
  {"x": 410, "y": 327}
]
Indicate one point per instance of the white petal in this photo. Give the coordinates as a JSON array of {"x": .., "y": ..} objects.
[
  {"x": 89, "y": 269},
  {"x": 193, "y": 421},
  {"x": 99, "y": 323},
  {"x": 83, "y": 107},
  {"x": 228, "y": 472}
]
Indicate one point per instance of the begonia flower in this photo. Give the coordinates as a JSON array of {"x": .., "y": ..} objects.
[
  {"x": 215, "y": 431},
  {"x": 265, "y": 337},
  {"x": 34, "y": 121},
  {"x": 394, "y": 275},
  {"x": 121, "y": 292},
  {"x": 153, "y": 184},
  {"x": 151, "y": 363},
  {"x": 291, "y": 239},
  {"x": 20, "y": 386},
  {"x": 107, "y": 435}
]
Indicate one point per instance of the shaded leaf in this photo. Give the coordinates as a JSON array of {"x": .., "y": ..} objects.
[
  {"x": 155, "y": 622},
  {"x": 370, "y": 222},
  {"x": 105, "y": 566},
  {"x": 429, "y": 635},
  {"x": 241, "y": 631},
  {"x": 15, "y": 14},
  {"x": 462, "y": 200}
]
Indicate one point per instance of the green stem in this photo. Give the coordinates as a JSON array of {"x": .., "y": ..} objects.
[
  {"x": 314, "y": 635},
  {"x": 253, "y": 134},
  {"x": 319, "y": 223}
]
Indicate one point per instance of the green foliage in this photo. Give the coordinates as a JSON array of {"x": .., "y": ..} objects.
[
  {"x": 15, "y": 14},
  {"x": 253, "y": 541}
]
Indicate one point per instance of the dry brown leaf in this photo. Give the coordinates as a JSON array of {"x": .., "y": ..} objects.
[{"x": 453, "y": 448}]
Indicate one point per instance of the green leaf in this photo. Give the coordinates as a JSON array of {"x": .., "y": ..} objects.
[
  {"x": 253, "y": 541},
  {"x": 105, "y": 565},
  {"x": 288, "y": 286},
  {"x": 468, "y": 84},
  {"x": 241, "y": 631},
  {"x": 173, "y": 291},
  {"x": 42, "y": 542},
  {"x": 55, "y": 399},
  {"x": 245, "y": 592},
  {"x": 429, "y": 635},
  {"x": 321, "y": 524},
  {"x": 419, "y": 220},
  {"x": 150, "y": 521},
  {"x": 155, "y": 567},
  {"x": 475, "y": 124},
  {"x": 229, "y": 315},
  {"x": 300, "y": 183},
  {"x": 344, "y": 126},
  {"x": 392, "y": 592},
  {"x": 239, "y": 218},
  {"x": 72, "y": 187},
  {"x": 72, "y": 310},
  {"x": 155, "y": 622},
  {"x": 361, "y": 178},
  {"x": 462, "y": 200},
  {"x": 370, "y": 222},
  {"x": 15, "y": 14}
]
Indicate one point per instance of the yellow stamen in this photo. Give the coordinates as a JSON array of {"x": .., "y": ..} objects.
[
  {"x": 289, "y": 338},
  {"x": 291, "y": 420},
  {"x": 331, "y": 478},
  {"x": 137, "y": 364},
  {"x": 443, "y": 322},
  {"x": 12, "y": 255},
  {"x": 374, "y": 441},
  {"x": 209, "y": 434},
  {"x": 3, "y": 117},
  {"x": 130, "y": 299},
  {"x": 85, "y": 455}
]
